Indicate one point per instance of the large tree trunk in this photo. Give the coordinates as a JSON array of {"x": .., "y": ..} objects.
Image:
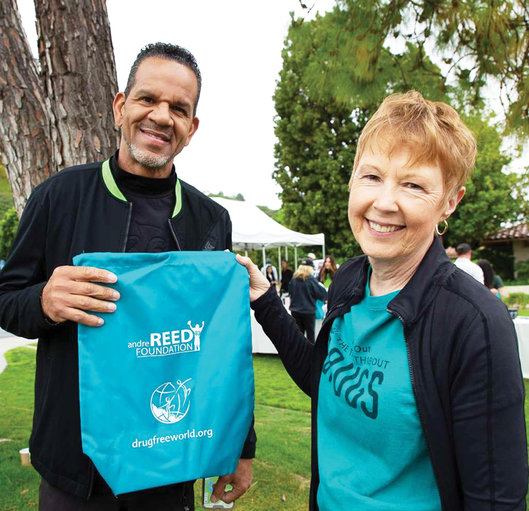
[
  {"x": 59, "y": 115},
  {"x": 79, "y": 77},
  {"x": 26, "y": 140}
]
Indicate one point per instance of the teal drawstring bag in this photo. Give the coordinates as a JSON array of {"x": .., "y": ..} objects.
[{"x": 166, "y": 384}]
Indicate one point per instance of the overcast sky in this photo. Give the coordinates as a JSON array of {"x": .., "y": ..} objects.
[{"x": 238, "y": 46}]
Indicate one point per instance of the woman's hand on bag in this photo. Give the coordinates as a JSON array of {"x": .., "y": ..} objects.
[{"x": 259, "y": 284}]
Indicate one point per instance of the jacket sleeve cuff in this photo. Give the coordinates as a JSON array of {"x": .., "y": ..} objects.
[
  {"x": 43, "y": 324},
  {"x": 248, "y": 450},
  {"x": 266, "y": 299},
  {"x": 27, "y": 319}
]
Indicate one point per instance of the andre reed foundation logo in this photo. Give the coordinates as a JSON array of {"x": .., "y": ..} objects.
[
  {"x": 171, "y": 342},
  {"x": 170, "y": 403}
]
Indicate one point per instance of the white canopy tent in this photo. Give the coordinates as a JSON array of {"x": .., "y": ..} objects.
[{"x": 253, "y": 229}]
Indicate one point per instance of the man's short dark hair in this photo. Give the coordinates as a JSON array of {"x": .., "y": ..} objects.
[
  {"x": 463, "y": 248},
  {"x": 169, "y": 52}
]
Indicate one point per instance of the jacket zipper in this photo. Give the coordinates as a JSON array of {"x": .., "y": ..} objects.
[
  {"x": 174, "y": 235},
  {"x": 129, "y": 216},
  {"x": 414, "y": 389}
]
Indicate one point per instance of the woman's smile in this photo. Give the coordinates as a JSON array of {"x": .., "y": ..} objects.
[{"x": 383, "y": 227}]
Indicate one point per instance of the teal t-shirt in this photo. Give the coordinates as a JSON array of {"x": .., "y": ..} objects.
[{"x": 372, "y": 454}]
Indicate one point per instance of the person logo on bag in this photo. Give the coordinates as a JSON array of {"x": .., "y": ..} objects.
[
  {"x": 196, "y": 331},
  {"x": 170, "y": 404}
]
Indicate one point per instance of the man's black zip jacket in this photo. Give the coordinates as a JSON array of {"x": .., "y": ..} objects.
[
  {"x": 80, "y": 209},
  {"x": 465, "y": 373}
]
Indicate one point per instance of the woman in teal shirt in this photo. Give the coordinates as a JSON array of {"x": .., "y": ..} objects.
[{"x": 415, "y": 380}]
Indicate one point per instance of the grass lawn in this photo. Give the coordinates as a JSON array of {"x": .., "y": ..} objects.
[{"x": 281, "y": 469}]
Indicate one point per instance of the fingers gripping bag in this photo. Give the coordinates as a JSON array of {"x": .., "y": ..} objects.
[{"x": 166, "y": 384}]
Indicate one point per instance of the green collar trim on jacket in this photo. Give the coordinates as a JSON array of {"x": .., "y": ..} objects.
[
  {"x": 110, "y": 182},
  {"x": 112, "y": 187}
]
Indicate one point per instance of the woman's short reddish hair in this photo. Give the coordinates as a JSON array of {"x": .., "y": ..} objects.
[{"x": 433, "y": 132}]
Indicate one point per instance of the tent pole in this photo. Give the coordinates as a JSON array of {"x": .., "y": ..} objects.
[
  {"x": 264, "y": 256},
  {"x": 295, "y": 257},
  {"x": 286, "y": 253},
  {"x": 246, "y": 252},
  {"x": 323, "y": 249},
  {"x": 279, "y": 262}
]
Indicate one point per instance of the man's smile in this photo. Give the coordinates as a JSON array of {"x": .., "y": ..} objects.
[{"x": 156, "y": 134}]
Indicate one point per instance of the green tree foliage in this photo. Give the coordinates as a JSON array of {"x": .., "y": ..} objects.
[
  {"x": 6, "y": 203},
  {"x": 522, "y": 270},
  {"x": 5, "y": 187},
  {"x": 315, "y": 152},
  {"x": 476, "y": 39},
  {"x": 239, "y": 196},
  {"x": 8, "y": 230},
  {"x": 6, "y": 197},
  {"x": 318, "y": 135},
  {"x": 318, "y": 129},
  {"x": 493, "y": 195}
]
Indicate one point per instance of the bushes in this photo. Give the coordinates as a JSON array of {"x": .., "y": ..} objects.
[
  {"x": 522, "y": 270},
  {"x": 8, "y": 230},
  {"x": 518, "y": 299},
  {"x": 8, "y": 216},
  {"x": 6, "y": 203}
]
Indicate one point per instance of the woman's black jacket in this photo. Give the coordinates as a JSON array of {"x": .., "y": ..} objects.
[{"x": 465, "y": 373}]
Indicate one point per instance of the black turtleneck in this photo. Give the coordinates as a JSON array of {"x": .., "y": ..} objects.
[{"x": 153, "y": 202}]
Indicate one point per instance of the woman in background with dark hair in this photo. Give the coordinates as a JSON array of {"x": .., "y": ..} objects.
[
  {"x": 492, "y": 281},
  {"x": 286, "y": 276},
  {"x": 327, "y": 271}
]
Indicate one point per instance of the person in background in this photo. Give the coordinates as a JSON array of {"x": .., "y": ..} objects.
[
  {"x": 264, "y": 269},
  {"x": 327, "y": 271},
  {"x": 415, "y": 379},
  {"x": 304, "y": 290},
  {"x": 464, "y": 262},
  {"x": 498, "y": 284},
  {"x": 269, "y": 274},
  {"x": 286, "y": 276},
  {"x": 312, "y": 257},
  {"x": 492, "y": 281}
]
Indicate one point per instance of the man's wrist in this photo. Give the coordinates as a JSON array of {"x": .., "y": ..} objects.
[{"x": 47, "y": 319}]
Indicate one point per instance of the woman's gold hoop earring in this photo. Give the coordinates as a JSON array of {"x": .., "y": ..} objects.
[{"x": 445, "y": 228}]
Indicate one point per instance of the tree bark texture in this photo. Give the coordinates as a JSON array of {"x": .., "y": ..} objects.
[
  {"x": 56, "y": 112},
  {"x": 79, "y": 77},
  {"x": 26, "y": 139}
]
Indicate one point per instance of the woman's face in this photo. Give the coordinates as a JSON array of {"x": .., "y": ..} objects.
[
  {"x": 393, "y": 208},
  {"x": 328, "y": 264}
]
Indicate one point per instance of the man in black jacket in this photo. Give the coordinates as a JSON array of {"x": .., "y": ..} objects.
[{"x": 132, "y": 202}]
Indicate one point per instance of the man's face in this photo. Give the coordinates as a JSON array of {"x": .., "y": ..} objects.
[{"x": 156, "y": 118}]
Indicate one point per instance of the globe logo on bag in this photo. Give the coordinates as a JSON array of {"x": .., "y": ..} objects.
[{"x": 170, "y": 404}]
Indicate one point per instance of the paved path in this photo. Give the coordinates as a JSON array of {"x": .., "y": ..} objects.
[{"x": 9, "y": 342}]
